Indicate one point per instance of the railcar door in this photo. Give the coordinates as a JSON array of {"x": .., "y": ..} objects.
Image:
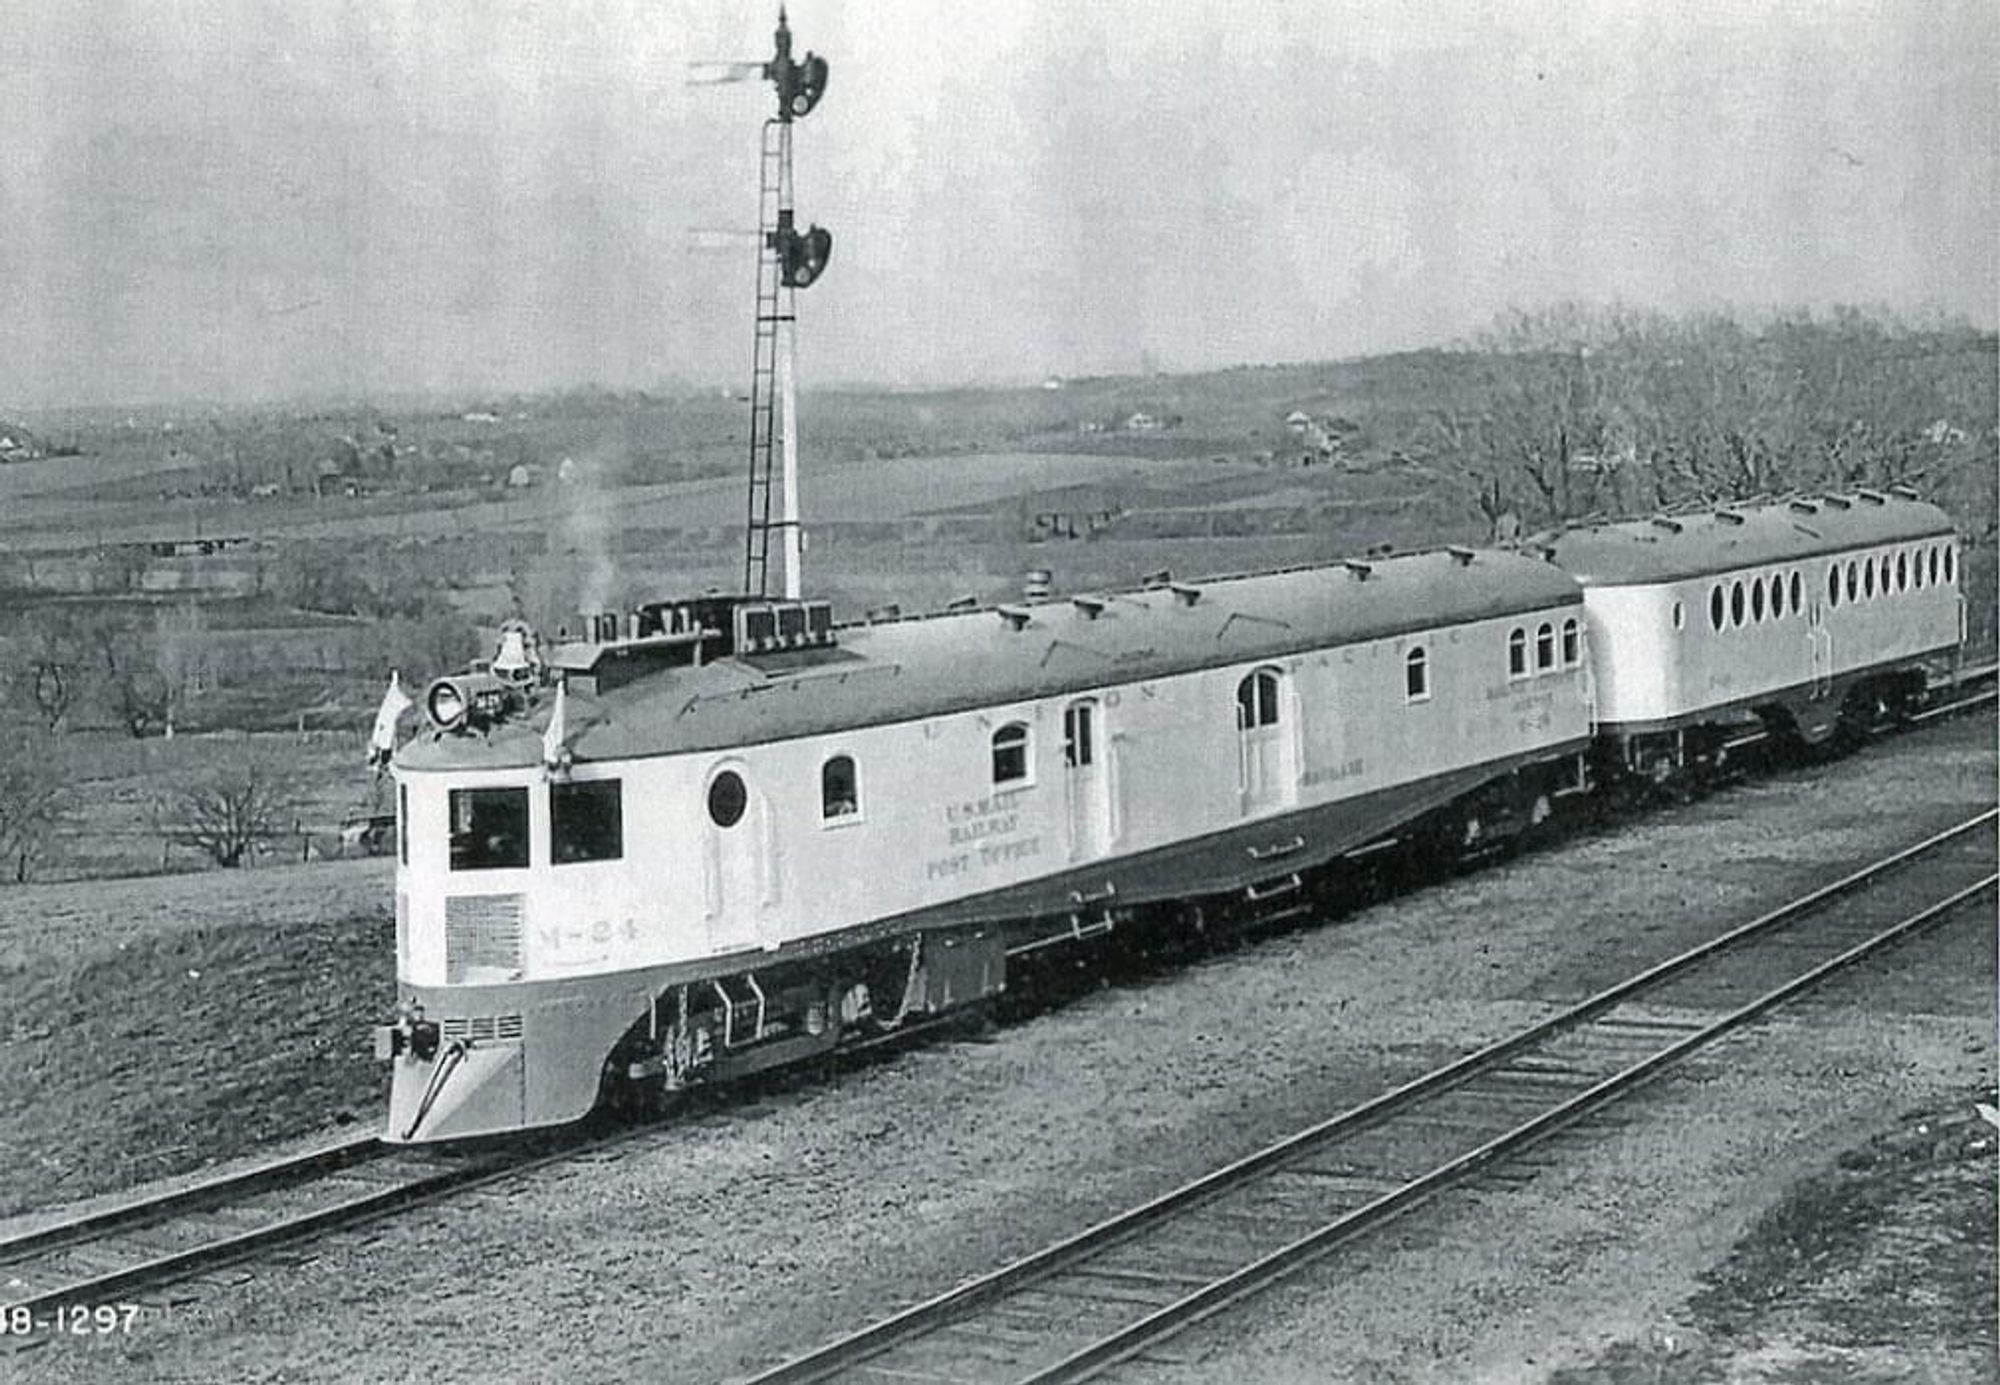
[
  {"x": 1821, "y": 640},
  {"x": 1261, "y": 745},
  {"x": 1085, "y": 775},
  {"x": 735, "y": 861}
]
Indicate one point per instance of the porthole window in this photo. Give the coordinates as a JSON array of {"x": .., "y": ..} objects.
[
  {"x": 1010, "y": 753},
  {"x": 727, "y": 798},
  {"x": 1545, "y": 647},
  {"x": 1738, "y": 603},
  {"x": 839, "y": 791},
  {"x": 1798, "y": 592},
  {"x": 1517, "y": 654},
  {"x": 1573, "y": 639},
  {"x": 1853, "y": 580},
  {"x": 1950, "y": 565},
  {"x": 1868, "y": 577},
  {"x": 1757, "y": 599},
  {"x": 1715, "y": 607},
  {"x": 1417, "y": 676},
  {"x": 1680, "y": 616}
]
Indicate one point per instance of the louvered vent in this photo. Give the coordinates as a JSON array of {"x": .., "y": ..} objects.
[
  {"x": 482, "y": 937},
  {"x": 483, "y": 1028}
]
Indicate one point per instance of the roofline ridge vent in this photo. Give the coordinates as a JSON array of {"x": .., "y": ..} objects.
[
  {"x": 1362, "y": 571},
  {"x": 1728, "y": 516},
  {"x": 1188, "y": 592},
  {"x": 1668, "y": 523},
  {"x": 1091, "y": 606},
  {"x": 1461, "y": 555},
  {"x": 1017, "y": 617}
]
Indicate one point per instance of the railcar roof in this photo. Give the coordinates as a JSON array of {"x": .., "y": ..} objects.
[
  {"x": 1670, "y": 548},
  {"x": 930, "y": 665}
]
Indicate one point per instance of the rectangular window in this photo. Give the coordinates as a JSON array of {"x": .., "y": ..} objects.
[
  {"x": 403, "y": 823},
  {"x": 489, "y": 829},
  {"x": 586, "y": 822}
]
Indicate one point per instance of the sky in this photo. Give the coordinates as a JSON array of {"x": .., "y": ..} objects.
[{"x": 248, "y": 200}]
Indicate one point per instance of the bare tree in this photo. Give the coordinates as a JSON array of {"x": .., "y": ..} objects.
[
  {"x": 56, "y": 668},
  {"x": 34, "y": 801},
  {"x": 230, "y": 808}
]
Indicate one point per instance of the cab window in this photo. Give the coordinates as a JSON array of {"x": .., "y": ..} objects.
[
  {"x": 586, "y": 822},
  {"x": 489, "y": 829}
]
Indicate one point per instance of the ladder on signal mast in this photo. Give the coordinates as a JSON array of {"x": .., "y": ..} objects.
[{"x": 776, "y": 311}]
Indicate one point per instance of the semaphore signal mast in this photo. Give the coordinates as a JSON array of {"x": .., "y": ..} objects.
[{"x": 787, "y": 260}]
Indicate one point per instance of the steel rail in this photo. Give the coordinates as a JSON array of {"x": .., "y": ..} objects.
[
  {"x": 1184, "y": 1313},
  {"x": 944, "y": 1309},
  {"x": 139, "y": 1211}
]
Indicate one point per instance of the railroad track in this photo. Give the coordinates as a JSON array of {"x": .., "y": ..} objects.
[
  {"x": 131, "y": 1250},
  {"x": 1078, "y": 1309},
  {"x": 135, "y": 1247}
]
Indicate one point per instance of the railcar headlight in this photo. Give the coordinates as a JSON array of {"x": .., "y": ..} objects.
[{"x": 446, "y": 705}]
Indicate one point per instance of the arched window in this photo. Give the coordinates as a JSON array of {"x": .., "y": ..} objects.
[
  {"x": 1950, "y": 564},
  {"x": 1868, "y": 577},
  {"x": 1680, "y": 616},
  {"x": 1934, "y": 565},
  {"x": 1257, "y": 700},
  {"x": 1715, "y": 607},
  {"x": 1833, "y": 585},
  {"x": 1777, "y": 595},
  {"x": 1545, "y": 647},
  {"x": 1416, "y": 676},
  {"x": 1853, "y": 580},
  {"x": 1757, "y": 599},
  {"x": 1737, "y": 605},
  {"x": 1010, "y": 753},
  {"x": 1917, "y": 569},
  {"x": 1903, "y": 571},
  {"x": 1517, "y": 653},
  {"x": 1798, "y": 592},
  {"x": 1573, "y": 639},
  {"x": 839, "y": 791}
]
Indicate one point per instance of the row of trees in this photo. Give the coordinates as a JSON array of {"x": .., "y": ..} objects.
[{"x": 1566, "y": 412}]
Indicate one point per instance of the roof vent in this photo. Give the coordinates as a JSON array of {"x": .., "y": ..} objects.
[
  {"x": 1805, "y": 507},
  {"x": 1017, "y": 617},
  {"x": 1187, "y": 592},
  {"x": 1152, "y": 581},
  {"x": 1361, "y": 571},
  {"x": 1730, "y": 517},
  {"x": 1091, "y": 606},
  {"x": 1462, "y": 556},
  {"x": 1671, "y": 525}
]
